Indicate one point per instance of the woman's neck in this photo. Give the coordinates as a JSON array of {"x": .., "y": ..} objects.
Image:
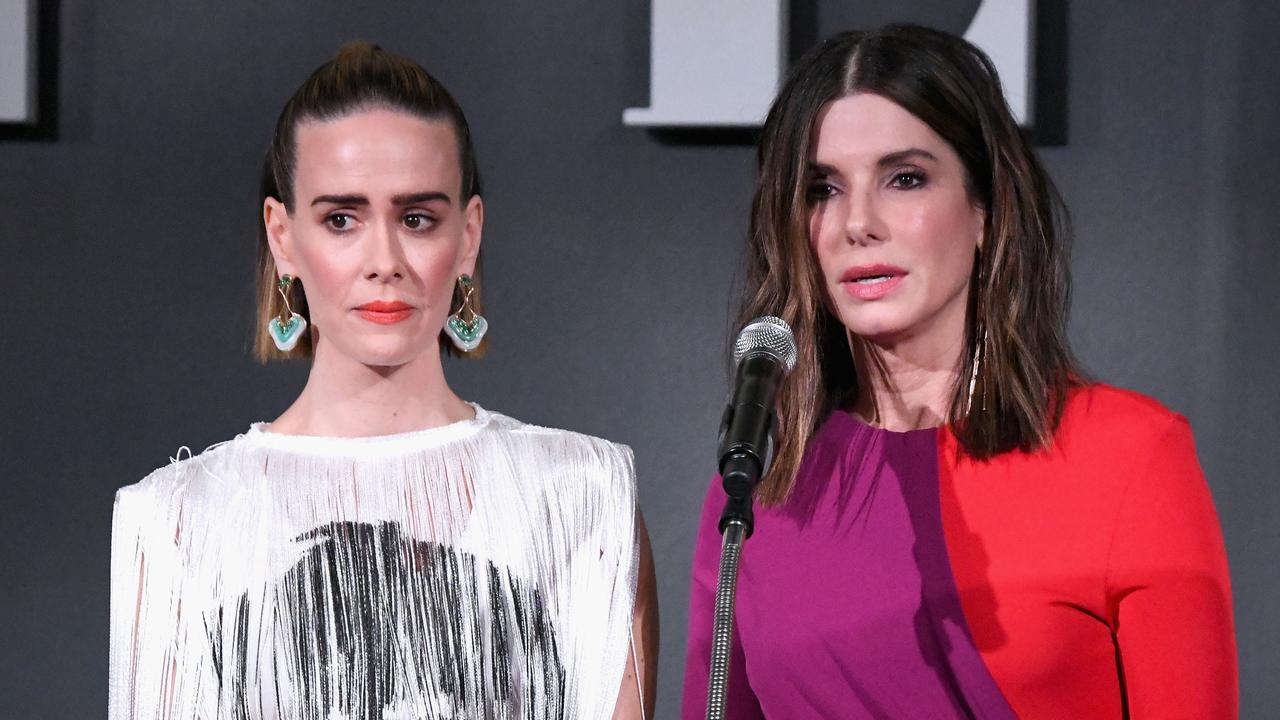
[
  {"x": 906, "y": 385},
  {"x": 345, "y": 398}
]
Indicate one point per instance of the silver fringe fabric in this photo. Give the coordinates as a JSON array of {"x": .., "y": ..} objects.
[{"x": 485, "y": 569}]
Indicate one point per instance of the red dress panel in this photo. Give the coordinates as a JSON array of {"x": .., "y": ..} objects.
[{"x": 1092, "y": 574}]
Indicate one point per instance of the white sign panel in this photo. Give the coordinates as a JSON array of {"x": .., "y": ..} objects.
[
  {"x": 712, "y": 63},
  {"x": 718, "y": 63},
  {"x": 1003, "y": 30},
  {"x": 17, "y": 61}
]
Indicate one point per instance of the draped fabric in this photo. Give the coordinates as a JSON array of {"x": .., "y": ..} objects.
[
  {"x": 846, "y": 605},
  {"x": 485, "y": 569},
  {"x": 904, "y": 578}
]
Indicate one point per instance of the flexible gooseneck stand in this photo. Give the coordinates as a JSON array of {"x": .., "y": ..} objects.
[
  {"x": 736, "y": 529},
  {"x": 736, "y": 525}
]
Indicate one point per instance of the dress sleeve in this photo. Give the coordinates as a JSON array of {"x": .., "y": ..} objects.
[
  {"x": 600, "y": 584},
  {"x": 741, "y": 703},
  {"x": 147, "y": 677},
  {"x": 1169, "y": 595}
]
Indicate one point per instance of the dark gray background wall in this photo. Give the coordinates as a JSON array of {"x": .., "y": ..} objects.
[{"x": 126, "y": 255}]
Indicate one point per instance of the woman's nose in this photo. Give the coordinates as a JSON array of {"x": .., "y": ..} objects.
[
  {"x": 384, "y": 258},
  {"x": 863, "y": 223}
]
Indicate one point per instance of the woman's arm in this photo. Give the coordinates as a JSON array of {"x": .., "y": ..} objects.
[
  {"x": 129, "y": 575},
  {"x": 143, "y": 620},
  {"x": 1169, "y": 593},
  {"x": 151, "y": 669},
  {"x": 640, "y": 680}
]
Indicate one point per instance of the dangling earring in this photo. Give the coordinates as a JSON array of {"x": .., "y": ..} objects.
[
  {"x": 466, "y": 334},
  {"x": 286, "y": 330},
  {"x": 981, "y": 338},
  {"x": 973, "y": 376}
]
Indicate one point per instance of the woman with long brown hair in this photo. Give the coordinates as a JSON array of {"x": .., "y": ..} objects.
[
  {"x": 957, "y": 522},
  {"x": 382, "y": 549}
]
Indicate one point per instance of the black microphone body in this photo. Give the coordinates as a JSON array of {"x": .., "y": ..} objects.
[
  {"x": 765, "y": 351},
  {"x": 749, "y": 418}
]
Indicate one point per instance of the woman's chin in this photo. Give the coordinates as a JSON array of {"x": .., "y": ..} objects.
[
  {"x": 878, "y": 327},
  {"x": 388, "y": 352}
]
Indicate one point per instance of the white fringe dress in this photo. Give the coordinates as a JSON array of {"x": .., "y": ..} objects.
[{"x": 485, "y": 569}]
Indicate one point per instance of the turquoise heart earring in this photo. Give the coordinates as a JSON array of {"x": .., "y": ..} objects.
[
  {"x": 287, "y": 329},
  {"x": 466, "y": 334}
]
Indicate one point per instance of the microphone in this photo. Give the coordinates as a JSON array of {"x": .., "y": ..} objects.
[{"x": 765, "y": 352}]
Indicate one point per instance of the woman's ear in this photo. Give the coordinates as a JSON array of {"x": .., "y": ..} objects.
[
  {"x": 275, "y": 217},
  {"x": 473, "y": 217}
]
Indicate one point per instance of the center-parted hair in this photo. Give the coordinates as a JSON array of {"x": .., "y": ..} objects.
[
  {"x": 1020, "y": 284},
  {"x": 361, "y": 77}
]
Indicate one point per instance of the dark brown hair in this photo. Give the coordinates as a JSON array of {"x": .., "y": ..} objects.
[
  {"x": 1020, "y": 286},
  {"x": 361, "y": 77}
]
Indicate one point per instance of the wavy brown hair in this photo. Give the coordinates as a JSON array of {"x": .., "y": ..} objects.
[
  {"x": 1020, "y": 287},
  {"x": 361, "y": 77}
]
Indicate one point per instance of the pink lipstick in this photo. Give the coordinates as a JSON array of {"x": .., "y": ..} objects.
[{"x": 871, "y": 282}]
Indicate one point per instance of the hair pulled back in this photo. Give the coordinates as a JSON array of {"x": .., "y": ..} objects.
[{"x": 362, "y": 76}]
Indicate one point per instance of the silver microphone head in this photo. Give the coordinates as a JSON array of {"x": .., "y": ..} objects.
[{"x": 767, "y": 334}]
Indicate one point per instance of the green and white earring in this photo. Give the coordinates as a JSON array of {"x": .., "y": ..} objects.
[
  {"x": 466, "y": 334},
  {"x": 286, "y": 330}
]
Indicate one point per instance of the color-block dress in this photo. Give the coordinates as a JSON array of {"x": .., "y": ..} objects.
[
  {"x": 485, "y": 569},
  {"x": 903, "y": 580}
]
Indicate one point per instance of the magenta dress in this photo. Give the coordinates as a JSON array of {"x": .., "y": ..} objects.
[{"x": 846, "y": 603}]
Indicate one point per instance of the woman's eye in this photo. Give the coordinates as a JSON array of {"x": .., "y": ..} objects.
[
  {"x": 820, "y": 191},
  {"x": 339, "y": 221},
  {"x": 907, "y": 180},
  {"x": 417, "y": 221}
]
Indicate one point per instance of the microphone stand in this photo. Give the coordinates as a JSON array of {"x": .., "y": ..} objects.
[
  {"x": 736, "y": 524},
  {"x": 765, "y": 351}
]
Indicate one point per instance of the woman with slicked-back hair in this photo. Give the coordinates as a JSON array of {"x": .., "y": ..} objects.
[
  {"x": 382, "y": 549},
  {"x": 957, "y": 523}
]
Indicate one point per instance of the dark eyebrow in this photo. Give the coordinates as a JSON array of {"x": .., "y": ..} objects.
[
  {"x": 341, "y": 200},
  {"x": 361, "y": 200},
  {"x": 821, "y": 170},
  {"x": 419, "y": 198},
  {"x": 901, "y": 156},
  {"x": 893, "y": 158}
]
